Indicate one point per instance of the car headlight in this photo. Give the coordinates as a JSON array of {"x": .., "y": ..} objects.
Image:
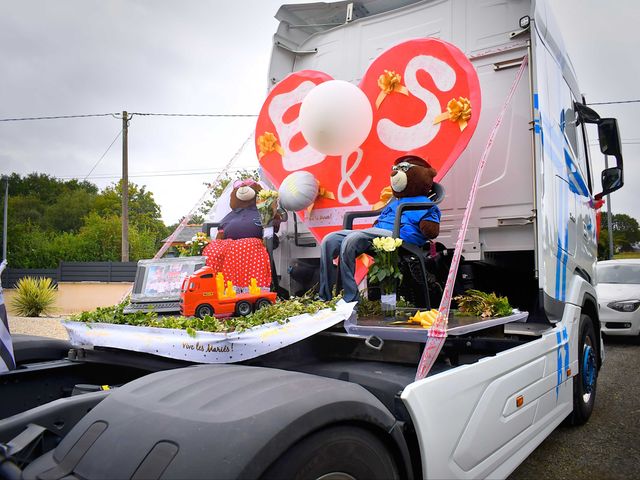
[{"x": 625, "y": 306}]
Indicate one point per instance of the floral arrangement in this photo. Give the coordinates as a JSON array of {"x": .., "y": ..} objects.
[
  {"x": 194, "y": 246},
  {"x": 385, "y": 271},
  {"x": 482, "y": 304},
  {"x": 267, "y": 203}
]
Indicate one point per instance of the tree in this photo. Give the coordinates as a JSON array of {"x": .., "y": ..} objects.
[
  {"x": 52, "y": 220},
  {"x": 144, "y": 212},
  {"x": 626, "y": 233},
  {"x": 100, "y": 239},
  {"x": 67, "y": 213}
]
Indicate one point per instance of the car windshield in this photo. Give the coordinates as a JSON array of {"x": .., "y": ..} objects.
[{"x": 619, "y": 274}]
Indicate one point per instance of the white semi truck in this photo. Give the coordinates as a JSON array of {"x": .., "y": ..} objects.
[{"x": 331, "y": 406}]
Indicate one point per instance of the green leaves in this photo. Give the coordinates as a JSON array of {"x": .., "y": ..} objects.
[{"x": 481, "y": 304}]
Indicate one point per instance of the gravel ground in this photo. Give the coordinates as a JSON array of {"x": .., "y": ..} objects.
[
  {"x": 607, "y": 447},
  {"x": 44, "y": 327}
]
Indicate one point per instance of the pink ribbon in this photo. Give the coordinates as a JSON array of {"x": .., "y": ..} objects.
[{"x": 438, "y": 332}]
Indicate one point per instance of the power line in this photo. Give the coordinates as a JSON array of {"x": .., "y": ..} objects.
[
  {"x": 167, "y": 173},
  {"x": 142, "y": 114},
  {"x": 214, "y": 115},
  {"x": 105, "y": 152},
  {"x": 56, "y": 117},
  {"x": 616, "y": 102}
]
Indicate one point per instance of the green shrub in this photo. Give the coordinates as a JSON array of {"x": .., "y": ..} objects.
[{"x": 34, "y": 296}]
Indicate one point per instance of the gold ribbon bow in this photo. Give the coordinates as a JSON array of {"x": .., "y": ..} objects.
[
  {"x": 457, "y": 111},
  {"x": 268, "y": 143},
  {"x": 386, "y": 194},
  {"x": 389, "y": 82},
  {"x": 322, "y": 193}
]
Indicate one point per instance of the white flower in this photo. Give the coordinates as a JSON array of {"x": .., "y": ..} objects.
[{"x": 188, "y": 242}]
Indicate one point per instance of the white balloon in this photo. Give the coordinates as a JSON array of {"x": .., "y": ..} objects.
[
  {"x": 335, "y": 117},
  {"x": 298, "y": 190}
]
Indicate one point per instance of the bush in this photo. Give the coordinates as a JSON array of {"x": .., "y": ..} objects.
[{"x": 34, "y": 296}]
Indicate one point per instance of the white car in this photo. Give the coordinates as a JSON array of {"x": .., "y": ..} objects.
[{"x": 619, "y": 296}]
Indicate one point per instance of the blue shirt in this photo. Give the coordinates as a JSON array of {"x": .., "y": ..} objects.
[{"x": 410, "y": 223}]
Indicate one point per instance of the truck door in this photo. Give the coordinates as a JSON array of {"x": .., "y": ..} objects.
[
  {"x": 566, "y": 227},
  {"x": 485, "y": 418}
]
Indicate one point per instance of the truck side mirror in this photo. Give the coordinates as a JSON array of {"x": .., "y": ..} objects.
[
  {"x": 609, "y": 137},
  {"x": 612, "y": 180}
]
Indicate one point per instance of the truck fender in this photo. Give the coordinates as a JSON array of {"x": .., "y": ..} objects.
[{"x": 212, "y": 421}]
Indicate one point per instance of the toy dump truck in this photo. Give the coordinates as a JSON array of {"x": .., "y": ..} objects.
[
  {"x": 339, "y": 405},
  {"x": 205, "y": 293}
]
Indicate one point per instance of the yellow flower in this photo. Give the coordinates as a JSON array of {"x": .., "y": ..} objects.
[
  {"x": 266, "y": 194},
  {"x": 377, "y": 243},
  {"x": 389, "y": 244},
  {"x": 398, "y": 242}
]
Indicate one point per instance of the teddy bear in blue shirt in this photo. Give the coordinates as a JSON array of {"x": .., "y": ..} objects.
[{"x": 411, "y": 182}]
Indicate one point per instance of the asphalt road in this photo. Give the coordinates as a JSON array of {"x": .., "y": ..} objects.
[{"x": 608, "y": 445}]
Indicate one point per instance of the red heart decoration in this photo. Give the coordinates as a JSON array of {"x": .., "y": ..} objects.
[{"x": 433, "y": 72}]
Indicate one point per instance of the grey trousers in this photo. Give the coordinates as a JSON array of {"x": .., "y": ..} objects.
[{"x": 349, "y": 244}]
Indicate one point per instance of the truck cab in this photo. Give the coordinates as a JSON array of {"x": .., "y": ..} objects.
[{"x": 340, "y": 405}]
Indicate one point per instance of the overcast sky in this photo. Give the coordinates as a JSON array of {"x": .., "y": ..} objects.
[{"x": 194, "y": 56}]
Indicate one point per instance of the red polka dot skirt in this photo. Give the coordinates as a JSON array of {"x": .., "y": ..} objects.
[{"x": 240, "y": 261}]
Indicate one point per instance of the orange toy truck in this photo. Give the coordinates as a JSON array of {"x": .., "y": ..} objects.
[{"x": 204, "y": 293}]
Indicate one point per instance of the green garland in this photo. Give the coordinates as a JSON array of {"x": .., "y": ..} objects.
[{"x": 280, "y": 312}]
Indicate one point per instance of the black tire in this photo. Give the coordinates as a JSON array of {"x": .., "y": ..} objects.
[
  {"x": 585, "y": 383},
  {"x": 204, "y": 309},
  {"x": 342, "y": 452},
  {"x": 261, "y": 303},
  {"x": 243, "y": 308}
]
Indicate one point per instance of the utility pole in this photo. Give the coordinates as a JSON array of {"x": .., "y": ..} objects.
[
  {"x": 125, "y": 186},
  {"x": 609, "y": 220},
  {"x": 4, "y": 222}
]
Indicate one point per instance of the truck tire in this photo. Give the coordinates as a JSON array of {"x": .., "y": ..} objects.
[
  {"x": 342, "y": 452},
  {"x": 585, "y": 383},
  {"x": 261, "y": 303},
  {"x": 204, "y": 309},
  {"x": 243, "y": 308}
]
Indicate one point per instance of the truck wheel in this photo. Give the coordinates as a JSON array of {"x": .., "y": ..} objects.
[
  {"x": 262, "y": 302},
  {"x": 243, "y": 308},
  {"x": 204, "y": 309},
  {"x": 585, "y": 383},
  {"x": 337, "y": 453}
]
